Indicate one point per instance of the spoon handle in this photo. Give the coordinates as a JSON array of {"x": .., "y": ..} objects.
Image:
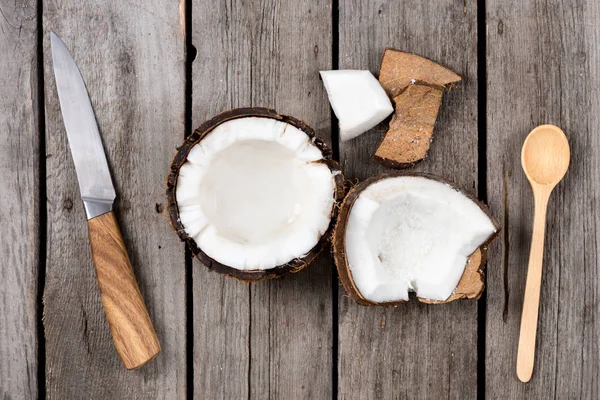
[{"x": 531, "y": 302}]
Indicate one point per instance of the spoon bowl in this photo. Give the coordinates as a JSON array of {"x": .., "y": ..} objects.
[{"x": 546, "y": 155}]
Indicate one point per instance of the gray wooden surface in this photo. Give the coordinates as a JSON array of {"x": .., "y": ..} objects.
[
  {"x": 543, "y": 68},
  {"x": 414, "y": 350},
  {"x": 19, "y": 200},
  {"x": 299, "y": 337},
  {"x": 132, "y": 60},
  {"x": 271, "y": 339},
  {"x": 221, "y": 306}
]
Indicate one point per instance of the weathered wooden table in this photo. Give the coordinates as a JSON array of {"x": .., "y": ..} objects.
[{"x": 156, "y": 69}]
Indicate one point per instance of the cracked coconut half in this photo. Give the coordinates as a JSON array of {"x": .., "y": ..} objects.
[
  {"x": 253, "y": 193},
  {"x": 400, "y": 233},
  {"x": 417, "y": 86}
]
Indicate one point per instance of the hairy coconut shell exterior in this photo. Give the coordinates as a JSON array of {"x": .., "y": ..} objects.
[
  {"x": 416, "y": 85},
  {"x": 180, "y": 158},
  {"x": 471, "y": 283},
  {"x": 411, "y": 127},
  {"x": 399, "y": 69}
]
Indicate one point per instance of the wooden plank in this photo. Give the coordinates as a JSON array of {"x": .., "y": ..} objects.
[
  {"x": 261, "y": 53},
  {"x": 221, "y": 308},
  {"x": 413, "y": 350},
  {"x": 291, "y": 317},
  {"x": 132, "y": 59},
  {"x": 543, "y": 68},
  {"x": 19, "y": 197}
]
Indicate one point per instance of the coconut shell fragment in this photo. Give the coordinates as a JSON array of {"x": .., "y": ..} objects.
[
  {"x": 411, "y": 127},
  {"x": 399, "y": 69},
  {"x": 417, "y": 86}
]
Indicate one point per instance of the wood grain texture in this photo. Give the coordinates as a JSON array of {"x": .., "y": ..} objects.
[
  {"x": 131, "y": 56},
  {"x": 291, "y": 335},
  {"x": 19, "y": 200},
  {"x": 543, "y": 67},
  {"x": 414, "y": 350},
  {"x": 130, "y": 325},
  {"x": 221, "y": 305},
  {"x": 272, "y": 339}
]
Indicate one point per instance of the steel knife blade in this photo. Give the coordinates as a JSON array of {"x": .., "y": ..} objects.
[{"x": 95, "y": 183}]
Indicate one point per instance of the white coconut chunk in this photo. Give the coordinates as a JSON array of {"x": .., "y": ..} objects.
[
  {"x": 358, "y": 100},
  {"x": 263, "y": 199},
  {"x": 412, "y": 234}
]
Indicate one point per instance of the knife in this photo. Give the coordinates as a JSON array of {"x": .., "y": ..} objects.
[{"x": 128, "y": 319}]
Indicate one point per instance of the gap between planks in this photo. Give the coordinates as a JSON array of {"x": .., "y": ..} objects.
[
  {"x": 42, "y": 212},
  {"x": 482, "y": 181}
]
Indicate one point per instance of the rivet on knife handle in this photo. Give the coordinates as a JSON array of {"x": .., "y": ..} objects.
[{"x": 130, "y": 324}]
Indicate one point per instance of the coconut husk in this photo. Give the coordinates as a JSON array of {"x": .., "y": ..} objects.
[
  {"x": 417, "y": 86},
  {"x": 411, "y": 127},
  {"x": 399, "y": 69},
  {"x": 179, "y": 159},
  {"x": 471, "y": 284}
]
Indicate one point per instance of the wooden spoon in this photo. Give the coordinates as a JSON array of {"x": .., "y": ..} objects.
[{"x": 545, "y": 159}]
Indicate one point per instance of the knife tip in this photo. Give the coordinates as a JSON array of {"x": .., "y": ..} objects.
[
  {"x": 54, "y": 38},
  {"x": 56, "y": 43}
]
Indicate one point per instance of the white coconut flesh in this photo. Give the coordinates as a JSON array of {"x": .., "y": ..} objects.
[
  {"x": 358, "y": 100},
  {"x": 412, "y": 234},
  {"x": 253, "y": 194}
]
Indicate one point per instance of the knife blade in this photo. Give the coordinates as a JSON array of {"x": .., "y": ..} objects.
[
  {"x": 95, "y": 183},
  {"x": 130, "y": 325}
]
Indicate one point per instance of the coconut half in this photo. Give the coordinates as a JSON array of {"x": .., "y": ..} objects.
[
  {"x": 358, "y": 100},
  {"x": 399, "y": 233},
  {"x": 253, "y": 193}
]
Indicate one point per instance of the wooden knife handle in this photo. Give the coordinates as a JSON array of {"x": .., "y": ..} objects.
[{"x": 128, "y": 319}]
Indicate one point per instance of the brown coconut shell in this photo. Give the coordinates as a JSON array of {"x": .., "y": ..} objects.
[
  {"x": 399, "y": 69},
  {"x": 180, "y": 158},
  {"x": 411, "y": 128},
  {"x": 416, "y": 86},
  {"x": 471, "y": 284}
]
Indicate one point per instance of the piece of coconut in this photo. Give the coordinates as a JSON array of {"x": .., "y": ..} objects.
[
  {"x": 411, "y": 127},
  {"x": 398, "y": 233},
  {"x": 417, "y": 85},
  {"x": 253, "y": 193},
  {"x": 358, "y": 100},
  {"x": 399, "y": 69}
]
